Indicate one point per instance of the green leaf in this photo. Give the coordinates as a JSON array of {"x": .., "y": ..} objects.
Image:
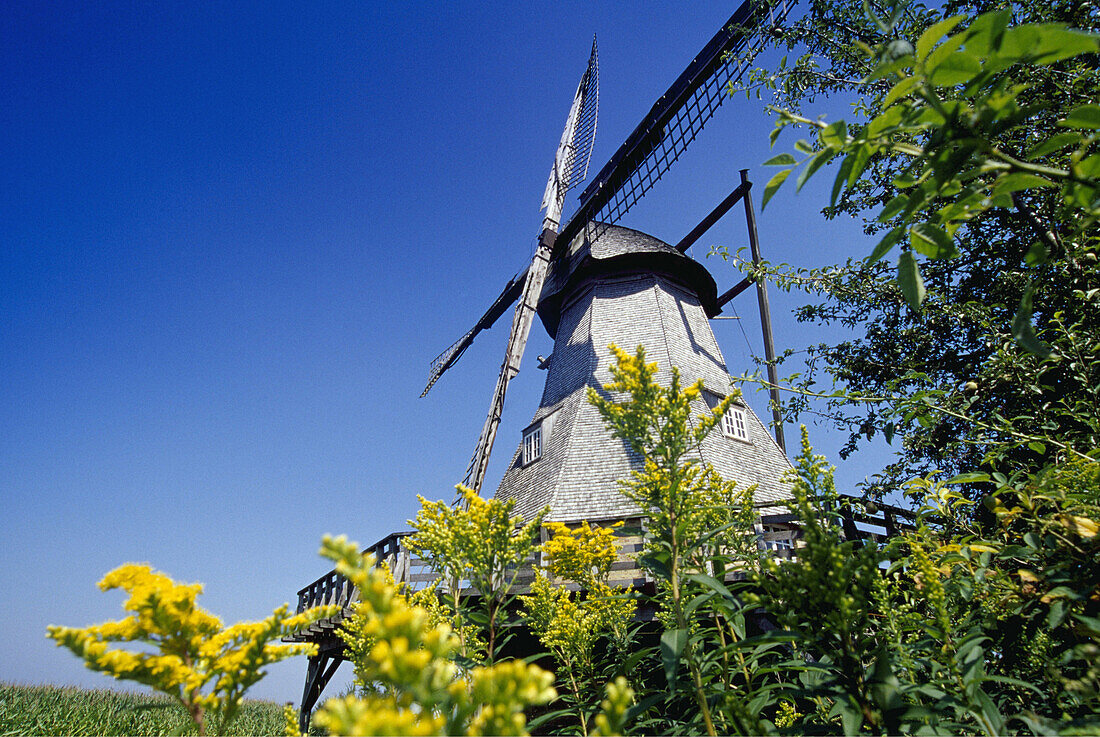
[
  {"x": 642, "y": 707},
  {"x": 1050, "y": 42},
  {"x": 711, "y": 583},
  {"x": 1017, "y": 181},
  {"x": 884, "y": 122},
  {"x": 989, "y": 711},
  {"x": 937, "y": 31},
  {"x": 851, "y": 718},
  {"x": 1052, "y": 144},
  {"x": 985, "y": 33},
  {"x": 656, "y": 561},
  {"x": 773, "y": 186},
  {"x": 835, "y": 134},
  {"x": 942, "y": 51},
  {"x": 804, "y": 146},
  {"x": 1088, "y": 169},
  {"x": 672, "y": 646},
  {"x": 932, "y": 241},
  {"x": 1086, "y": 116},
  {"x": 909, "y": 280},
  {"x": 1092, "y": 624},
  {"x": 841, "y": 177},
  {"x": 1037, "y": 447},
  {"x": 957, "y": 68},
  {"x": 783, "y": 159},
  {"x": 1023, "y": 330},
  {"x": 968, "y": 478},
  {"x": 816, "y": 161},
  {"x": 893, "y": 207},
  {"x": 860, "y": 158},
  {"x": 1037, "y": 254},
  {"x": 899, "y": 90},
  {"x": 1057, "y": 613},
  {"x": 888, "y": 241}
]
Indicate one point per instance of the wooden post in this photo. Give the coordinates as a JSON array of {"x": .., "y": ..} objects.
[
  {"x": 765, "y": 314},
  {"x": 318, "y": 674}
]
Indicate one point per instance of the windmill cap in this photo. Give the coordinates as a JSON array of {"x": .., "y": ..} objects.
[{"x": 603, "y": 250}]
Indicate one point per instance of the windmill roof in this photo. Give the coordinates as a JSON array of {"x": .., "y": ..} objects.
[{"x": 600, "y": 249}]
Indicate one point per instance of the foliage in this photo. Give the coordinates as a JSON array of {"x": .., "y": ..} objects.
[
  {"x": 52, "y": 710},
  {"x": 977, "y": 156},
  {"x": 421, "y": 689},
  {"x": 826, "y": 596},
  {"x": 690, "y": 508},
  {"x": 953, "y": 626},
  {"x": 948, "y": 104},
  {"x": 203, "y": 667},
  {"x": 570, "y": 625},
  {"x": 479, "y": 541}
]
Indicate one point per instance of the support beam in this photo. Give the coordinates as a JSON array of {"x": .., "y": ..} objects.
[
  {"x": 715, "y": 215},
  {"x": 765, "y": 313},
  {"x": 729, "y": 294},
  {"x": 319, "y": 672}
]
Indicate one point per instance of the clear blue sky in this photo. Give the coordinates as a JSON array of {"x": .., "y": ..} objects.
[{"x": 232, "y": 238}]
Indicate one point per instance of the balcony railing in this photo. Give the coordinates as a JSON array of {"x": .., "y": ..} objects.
[
  {"x": 779, "y": 534},
  {"x": 335, "y": 589}
]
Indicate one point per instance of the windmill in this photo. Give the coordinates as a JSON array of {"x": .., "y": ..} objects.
[
  {"x": 592, "y": 282},
  {"x": 658, "y": 141}
]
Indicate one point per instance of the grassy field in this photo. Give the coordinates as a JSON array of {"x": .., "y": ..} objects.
[{"x": 52, "y": 710}]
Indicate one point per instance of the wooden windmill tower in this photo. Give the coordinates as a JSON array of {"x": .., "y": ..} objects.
[{"x": 593, "y": 283}]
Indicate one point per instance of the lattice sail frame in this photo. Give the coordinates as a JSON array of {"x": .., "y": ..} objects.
[
  {"x": 674, "y": 121},
  {"x": 575, "y": 151}
]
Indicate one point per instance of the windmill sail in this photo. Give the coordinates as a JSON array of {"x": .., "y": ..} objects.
[
  {"x": 674, "y": 120},
  {"x": 575, "y": 149},
  {"x": 507, "y": 298}
]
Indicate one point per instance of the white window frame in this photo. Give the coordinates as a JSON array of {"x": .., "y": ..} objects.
[
  {"x": 735, "y": 424},
  {"x": 532, "y": 444}
]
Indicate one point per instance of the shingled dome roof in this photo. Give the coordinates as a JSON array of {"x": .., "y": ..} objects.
[{"x": 618, "y": 249}]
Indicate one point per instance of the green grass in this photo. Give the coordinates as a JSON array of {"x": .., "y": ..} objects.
[{"x": 54, "y": 710}]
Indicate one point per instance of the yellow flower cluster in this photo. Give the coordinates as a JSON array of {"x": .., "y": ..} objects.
[
  {"x": 420, "y": 688},
  {"x": 290, "y": 721},
  {"x": 612, "y": 717},
  {"x": 583, "y": 554},
  {"x": 479, "y": 540},
  {"x": 927, "y": 578},
  {"x": 563, "y": 625},
  {"x": 570, "y": 625},
  {"x": 205, "y": 668}
]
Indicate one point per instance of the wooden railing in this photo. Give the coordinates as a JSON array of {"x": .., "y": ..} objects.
[
  {"x": 884, "y": 521},
  {"x": 335, "y": 589}
]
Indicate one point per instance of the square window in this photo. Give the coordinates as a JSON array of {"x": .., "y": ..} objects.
[
  {"x": 532, "y": 444},
  {"x": 734, "y": 424}
]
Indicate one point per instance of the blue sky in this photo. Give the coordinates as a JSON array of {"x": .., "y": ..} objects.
[{"x": 232, "y": 238}]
